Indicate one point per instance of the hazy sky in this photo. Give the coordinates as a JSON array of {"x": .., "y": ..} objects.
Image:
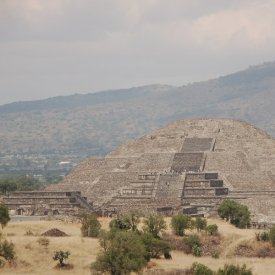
[{"x": 59, "y": 47}]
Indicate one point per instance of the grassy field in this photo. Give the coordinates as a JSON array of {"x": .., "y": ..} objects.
[{"x": 32, "y": 258}]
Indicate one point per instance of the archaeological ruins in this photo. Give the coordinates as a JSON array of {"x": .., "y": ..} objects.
[{"x": 189, "y": 166}]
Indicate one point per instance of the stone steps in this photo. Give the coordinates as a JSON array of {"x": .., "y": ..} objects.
[{"x": 197, "y": 144}]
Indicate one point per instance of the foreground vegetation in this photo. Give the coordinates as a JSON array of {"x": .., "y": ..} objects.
[
  {"x": 34, "y": 253},
  {"x": 132, "y": 243}
]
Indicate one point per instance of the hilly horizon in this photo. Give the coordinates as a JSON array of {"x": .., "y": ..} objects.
[{"x": 95, "y": 123}]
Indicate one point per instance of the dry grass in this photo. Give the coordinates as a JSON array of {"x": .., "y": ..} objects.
[
  {"x": 33, "y": 258},
  {"x": 36, "y": 259}
]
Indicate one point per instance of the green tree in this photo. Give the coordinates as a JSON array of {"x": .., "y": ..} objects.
[
  {"x": 90, "y": 225},
  {"x": 179, "y": 223},
  {"x": 4, "y": 215},
  {"x": 200, "y": 224},
  {"x": 227, "y": 209},
  {"x": 212, "y": 229},
  {"x": 155, "y": 248},
  {"x": 241, "y": 217},
  {"x": 235, "y": 213},
  {"x": 61, "y": 256},
  {"x": 7, "y": 250},
  {"x": 120, "y": 224},
  {"x": 121, "y": 255},
  {"x": 154, "y": 224},
  {"x": 132, "y": 219},
  {"x": 27, "y": 183},
  {"x": 191, "y": 241},
  {"x": 272, "y": 235},
  {"x": 7, "y": 186}
]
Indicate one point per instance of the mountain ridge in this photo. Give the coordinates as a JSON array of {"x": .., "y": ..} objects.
[{"x": 96, "y": 123}]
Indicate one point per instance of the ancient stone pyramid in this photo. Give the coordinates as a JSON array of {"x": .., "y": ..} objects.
[{"x": 190, "y": 165}]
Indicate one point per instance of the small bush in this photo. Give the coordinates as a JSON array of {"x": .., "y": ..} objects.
[
  {"x": 90, "y": 225},
  {"x": 155, "y": 247},
  {"x": 7, "y": 250},
  {"x": 200, "y": 269},
  {"x": 262, "y": 236},
  {"x": 235, "y": 213},
  {"x": 234, "y": 270},
  {"x": 61, "y": 256},
  {"x": 196, "y": 251},
  {"x": 154, "y": 225},
  {"x": 4, "y": 215},
  {"x": 122, "y": 253},
  {"x": 167, "y": 255},
  {"x": 212, "y": 229},
  {"x": 191, "y": 241},
  {"x": 272, "y": 235},
  {"x": 180, "y": 223},
  {"x": 133, "y": 219},
  {"x": 200, "y": 224},
  {"x": 119, "y": 224}
]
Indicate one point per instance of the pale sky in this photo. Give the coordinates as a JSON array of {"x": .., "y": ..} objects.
[{"x": 61, "y": 47}]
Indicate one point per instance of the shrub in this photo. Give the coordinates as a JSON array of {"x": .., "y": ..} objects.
[
  {"x": 167, "y": 255},
  {"x": 234, "y": 270},
  {"x": 124, "y": 253},
  {"x": 132, "y": 219},
  {"x": 7, "y": 250},
  {"x": 179, "y": 223},
  {"x": 119, "y": 224},
  {"x": 200, "y": 269},
  {"x": 272, "y": 235},
  {"x": 212, "y": 229},
  {"x": 191, "y": 241},
  {"x": 155, "y": 247},
  {"x": 154, "y": 224},
  {"x": 241, "y": 218},
  {"x": 234, "y": 212},
  {"x": 61, "y": 256},
  {"x": 196, "y": 251},
  {"x": 4, "y": 215},
  {"x": 90, "y": 225},
  {"x": 262, "y": 236},
  {"x": 200, "y": 224}
]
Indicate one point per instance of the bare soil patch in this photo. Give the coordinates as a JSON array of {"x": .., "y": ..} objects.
[{"x": 54, "y": 232}]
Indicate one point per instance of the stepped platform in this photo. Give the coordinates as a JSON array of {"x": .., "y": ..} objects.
[
  {"x": 197, "y": 144},
  {"x": 184, "y": 162},
  {"x": 41, "y": 202},
  {"x": 202, "y": 192}
]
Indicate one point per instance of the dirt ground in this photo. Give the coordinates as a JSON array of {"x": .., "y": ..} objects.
[{"x": 32, "y": 258}]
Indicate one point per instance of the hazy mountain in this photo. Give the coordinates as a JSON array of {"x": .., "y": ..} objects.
[{"x": 93, "y": 124}]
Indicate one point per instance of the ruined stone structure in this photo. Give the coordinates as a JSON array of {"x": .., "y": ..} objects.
[
  {"x": 46, "y": 202},
  {"x": 190, "y": 166}
]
